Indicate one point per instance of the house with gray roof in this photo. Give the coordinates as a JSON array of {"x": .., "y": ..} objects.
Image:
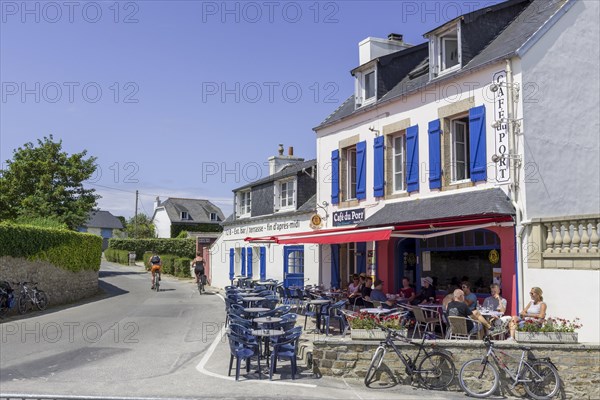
[
  {"x": 474, "y": 154},
  {"x": 175, "y": 215},
  {"x": 281, "y": 203},
  {"x": 101, "y": 223}
]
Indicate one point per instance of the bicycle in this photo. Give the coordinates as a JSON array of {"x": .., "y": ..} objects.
[
  {"x": 7, "y": 297},
  {"x": 480, "y": 377},
  {"x": 201, "y": 283},
  {"x": 156, "y": 283},
  {"x": 435, "y": 371},
  {"x": 32, "y": 296}
]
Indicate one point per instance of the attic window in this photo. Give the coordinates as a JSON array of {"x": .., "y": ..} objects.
[
  {"x": 185, "y": 216},
  {"x": 366, "y": 87},
  {"x": 445, "y": 51},
  {"x": 370, "y": 85},
  {"x": 214, "y": 217}
]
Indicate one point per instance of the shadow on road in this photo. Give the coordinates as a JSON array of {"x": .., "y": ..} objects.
[{"x": 104, "y": 274}]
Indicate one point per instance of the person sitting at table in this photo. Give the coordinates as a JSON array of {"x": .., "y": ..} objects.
[
  {"x": 378, "y": 295},
  {"x": 427, "y": 292},
  {"x": 406, "y": 291},
  {"x": 354, "y": 286},
  {"x": 535, "y": 309},
  {"x": 470, "y": 298},
  {"x": 459, "y": 308},
  {"x": 495, "y": 302}
]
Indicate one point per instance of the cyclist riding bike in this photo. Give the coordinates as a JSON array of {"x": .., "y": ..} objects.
[
  {"x": 198, "y": 264},
  {"x": 155, "y": 264}
]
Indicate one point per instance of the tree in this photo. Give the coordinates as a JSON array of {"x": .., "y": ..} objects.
[
  {"x": 44, "y": 181},
  {"x": 145, "y": 227}
]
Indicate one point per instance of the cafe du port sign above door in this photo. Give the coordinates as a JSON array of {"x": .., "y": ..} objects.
[{"x": 348, "y": 217}]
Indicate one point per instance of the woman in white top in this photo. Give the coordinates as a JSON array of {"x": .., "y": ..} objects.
[{"x": 536, "y": 309}]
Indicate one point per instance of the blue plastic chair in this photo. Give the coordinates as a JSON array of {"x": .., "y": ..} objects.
[
  {"x": 242, "y": 349},
  {"x": 285, "y": 349}
]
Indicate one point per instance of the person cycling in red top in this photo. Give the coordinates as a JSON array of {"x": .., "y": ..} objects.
[{"x": 155, "y": 264}]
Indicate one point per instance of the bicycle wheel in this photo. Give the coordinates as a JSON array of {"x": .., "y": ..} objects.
[
  {"x": 436, "y": 371},
  {"x": 374, "y": 366},
  {"x": 479, "y": 378},
  {"x": 3, "y": 305},
  {"x": 22, "y": 304},
  {"x": 41, "y": 300},
  {"x": 200, "y": 288},
  {"x": 157, "y": 283},
  {"x": 544, "y": 382}
]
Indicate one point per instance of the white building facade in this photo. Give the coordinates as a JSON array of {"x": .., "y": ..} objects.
[{"x": 474, "y": 155}]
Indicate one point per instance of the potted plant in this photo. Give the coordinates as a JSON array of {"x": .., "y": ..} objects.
[
  {"x": 366, "y": 326},
  {"x": 550, "y": 330}
]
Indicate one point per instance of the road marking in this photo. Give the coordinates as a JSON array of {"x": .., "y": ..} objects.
[{"x": 202, "y": 364}]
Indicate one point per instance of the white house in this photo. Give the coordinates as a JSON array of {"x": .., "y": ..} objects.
[
  {"x": 474, "y": 154},
  {"x": 282, "y": 203},
  {"x": 193, "y": 215}
]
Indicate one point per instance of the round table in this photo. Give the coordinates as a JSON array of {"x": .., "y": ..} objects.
[
  {"x": 267, "y": 320},
  {"x": 252, "y": 299},
  {"x": 266, "y": 334},
  {"x": 491, "y": 313},
  {"x": 376, "y": 310},
  {"x": 319, "y": 302},
  {"x": 253, "y": 310}
]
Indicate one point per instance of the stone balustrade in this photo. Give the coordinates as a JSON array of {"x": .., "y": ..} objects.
[{"x": 571, "y": 236}]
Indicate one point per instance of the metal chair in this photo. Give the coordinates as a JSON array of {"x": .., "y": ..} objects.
[
  {"x": 459, "y": 329},
  {"x": 428, "y": 323}
]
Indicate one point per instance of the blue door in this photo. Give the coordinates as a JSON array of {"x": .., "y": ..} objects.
[{"x": 293, "y": 266}]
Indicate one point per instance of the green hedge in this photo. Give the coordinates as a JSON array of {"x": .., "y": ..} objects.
[
  {"x": 178, "y": 247},
  {"x": 177, "y": 229},
  {"x": 66, "y": 249},
  {"x": 118, "y": 256},
  {"x": 182, "y": 267}
]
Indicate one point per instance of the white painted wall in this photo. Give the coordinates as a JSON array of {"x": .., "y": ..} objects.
[
  {"x": 562, "y": 151},
  {"x": 233, "y": 237},
  {"x": 421, "y": 108},
  {"x": 562, "y": 119},
  {"x": 162, "y": 223}
]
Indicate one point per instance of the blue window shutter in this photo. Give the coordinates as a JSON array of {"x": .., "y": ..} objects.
[
  {"x": 263, "y": 263},
  {"x": 435, "y": 155},
  {"x": 243, "y": 262},
  {"x": 477, "y": 138},
  {"x": 231, "y": 264},
  {"x": 249, "y": 263},
  {"x": 335, "y": 265},
  {"x": 361, "y": 170},
  {"x": 412, "y": 159},
  {"x": 335, "y": 177},
  {"x": 378, "y": 168},
  {"x": 361, "y": 259}
]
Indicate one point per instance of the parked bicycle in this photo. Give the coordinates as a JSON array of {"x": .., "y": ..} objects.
[
  {"x": 435, "y": 371},
  {"x": 480, "y": 377},
  {"x": 7, "y": 297},
  {"x": 29, "y": 294}
]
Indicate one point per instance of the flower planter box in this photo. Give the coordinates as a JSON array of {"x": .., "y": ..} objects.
[
  {"x": 370, "y": 334},
  {"x": 546, "y": 337}
]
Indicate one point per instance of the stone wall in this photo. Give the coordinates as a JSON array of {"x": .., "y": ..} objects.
[
  {"x": 578, "y": 364},
  {"x": 61, "y": 286}
]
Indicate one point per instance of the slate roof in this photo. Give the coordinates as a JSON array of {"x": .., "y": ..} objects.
[
  {"x": 486, "y": 202},
  {"x": 506, "y": 44},
  {"x": 103, "y": 219},
  {"x": 308, "y": 207},
  {"x": 287, "y": 171},
  {"x": 198, "y": 210}
]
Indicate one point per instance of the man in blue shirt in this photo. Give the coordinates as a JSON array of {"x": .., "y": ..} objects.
[
  {"x": 470, "y": 298},
  {"x": 378, "y": 295}
]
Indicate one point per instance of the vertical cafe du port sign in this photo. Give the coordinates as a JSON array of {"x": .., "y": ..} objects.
[
  {"x": 501, "y": 130},
  {"x": 348, "y": 217}
]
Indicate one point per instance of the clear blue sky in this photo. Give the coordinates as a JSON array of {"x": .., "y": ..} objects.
[{"x": 139, "y": 84}]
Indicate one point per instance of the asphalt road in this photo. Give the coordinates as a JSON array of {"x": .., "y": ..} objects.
[{"x": 134, "y": 342}]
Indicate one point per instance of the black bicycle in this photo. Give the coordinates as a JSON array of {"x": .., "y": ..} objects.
[
  {"x": 201, "y": 284},
  {"x": 435, "y": 371},
  {"x": 7, "y": 297},
  {"x": 480, "y": 377},
  {"x": 29, "y": 294}
]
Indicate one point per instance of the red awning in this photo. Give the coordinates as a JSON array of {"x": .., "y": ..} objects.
[{"x": 331, "y": 236}]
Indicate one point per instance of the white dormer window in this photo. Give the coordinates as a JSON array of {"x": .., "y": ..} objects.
[
  {"x": 214, "y": 217},
  {"x": 366, "y": 87},
  {"x": 445, "y": 53},
  {"x": 285, "y": 195},
  {"x": 185, "y": 216},
  {"x": 244, "y": 203}
]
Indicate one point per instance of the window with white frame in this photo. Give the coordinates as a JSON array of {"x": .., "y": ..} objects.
[
  {"x": 285, "y": 195},
  {"x": 459, "y": 131},
  {"x": 350, "y": 189},
  {"x": 185, "y": 215},
  {"x": 399, "y": 161},
  {"x": 244, "y": 203},
  {"x": 214, "y": 216},
  {"x": 366, "y": 87},
  {"x": 445, "y": 51}
]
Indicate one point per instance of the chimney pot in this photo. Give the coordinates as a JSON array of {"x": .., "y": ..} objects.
[
  {"x": 395, "y": 36},
  {"x": 291, "y": 151},
  {"x": 280, "y": 149}
]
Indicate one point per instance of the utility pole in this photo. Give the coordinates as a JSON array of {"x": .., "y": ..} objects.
[{"x": 135, "y": 221}]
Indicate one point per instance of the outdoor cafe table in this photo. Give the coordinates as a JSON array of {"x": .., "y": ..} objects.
[
  {"x": 320, "y": 303},
  {"x": 376, "y": 310},
  {"x": 251, "y": 300},
  {"x": 491, "y": 313},
  {"x": 267, "y": 334},
  {"x": 267, "y": 320},
  {"x": 255, "y": 310}
]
